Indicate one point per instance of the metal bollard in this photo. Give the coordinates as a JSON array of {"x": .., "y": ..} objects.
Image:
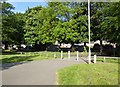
[
  {"x": 104, "y": 59},
  {"x": 61, "y": 54},
  {"x": 94, "y": 58},
  {"x": 77, "y": 56},
  {"x": 68, "y": 55},
  {"x": 55, "y": 56}
]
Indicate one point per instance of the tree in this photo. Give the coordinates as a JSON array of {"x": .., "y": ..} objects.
[
  {"x": 97, "y": 16},
  {"x": 111, "y": 22},
  {"x": 72, "y": 25},
  {"x": 31, "y": 21},
  {"x": 39, "y": 26},
  {"x": 104, "y": 20},
  {"x": 19, "y": 26},
  {"x": 80, "y": 16},
  {"x": 7, "y": 19},
  {"x": 12, "y": 26}
]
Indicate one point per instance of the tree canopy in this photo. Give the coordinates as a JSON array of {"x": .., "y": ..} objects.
[
  {"x": 65, "y": 22},
  {"x": 12, "y": 25}
]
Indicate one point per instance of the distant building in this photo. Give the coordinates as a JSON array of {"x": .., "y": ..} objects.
[{"x": 63, "y": 45}]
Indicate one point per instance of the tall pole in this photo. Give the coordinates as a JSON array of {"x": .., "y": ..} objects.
[{"x": 89, "y": 56}]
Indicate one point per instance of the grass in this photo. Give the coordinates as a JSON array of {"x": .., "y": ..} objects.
[
  {"x": 26, "y": 56},
  {"x": 109, "y": 60},
  {"x": 89, "y": 74},
  {"x": 11, "y": 56}
]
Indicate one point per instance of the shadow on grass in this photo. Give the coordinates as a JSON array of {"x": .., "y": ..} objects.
[
  {"x": 86, "y": 61},
  {"x": 7, "y": 53},
  {"x": 15, "y": 60},
  {"x": 12, "y": 53}
]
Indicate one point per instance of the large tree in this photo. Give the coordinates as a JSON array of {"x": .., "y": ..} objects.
[
  {"x": 39, "y": 26},
  {"x": 97, "y": 16},
  {"x": 7, "y": 19},
  {"x": 105, "y": 22},
  {"x": 18, "y": 25},
  {"x": 12, "y": 25},
  {"x": 72, "y": 25},
  {"x": 111, "y": 21},
  {"x": 65, "y": 22}
]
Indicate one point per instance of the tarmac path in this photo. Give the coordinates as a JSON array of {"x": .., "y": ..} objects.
[{"x": 35, "y": 72}]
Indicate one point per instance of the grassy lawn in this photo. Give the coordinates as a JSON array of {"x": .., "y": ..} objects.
[
  {"x": 9, "y": 57},
  {"x": 89, "y": 74},
  {"x": 109, "y": 60}
]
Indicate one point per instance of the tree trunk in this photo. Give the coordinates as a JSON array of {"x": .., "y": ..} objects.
[
  {"x": 114, "y": 49},
  {"x": 6, "y": 46},
  {"x": 101, "y": 48},
  {"x": 72, "y": 43},
  {"x": 84, "y": 44}
]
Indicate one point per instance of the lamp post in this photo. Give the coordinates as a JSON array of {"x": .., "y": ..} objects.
[{"x": 89, "y": 56}]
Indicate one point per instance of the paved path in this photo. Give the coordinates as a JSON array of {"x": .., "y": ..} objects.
[{"x": 35, "y": 72}]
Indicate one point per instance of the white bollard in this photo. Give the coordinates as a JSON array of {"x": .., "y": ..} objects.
[
  {"x": 77, "y": 56},
  {"x": 61, "y": 54},
  {"x": 94, "y": 58},
  {"x": 68, "y": 55},
  {"x": 55, "y": 56},
  {"x": 104, "y": 59}
]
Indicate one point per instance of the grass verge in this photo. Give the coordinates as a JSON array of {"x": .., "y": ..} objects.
[{"x": 93, "y": 74}]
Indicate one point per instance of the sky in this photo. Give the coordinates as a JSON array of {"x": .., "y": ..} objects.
[{"x": 23, "y": 6}]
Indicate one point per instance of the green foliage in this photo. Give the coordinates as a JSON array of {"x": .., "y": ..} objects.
[
  {"x": 65, "y": 22},
  {"x": 71, "y": 28},
  {"x": 111, "y": 22},
  {"x": 105, "y": 21},
  {"x": 12, "y": 25},
  {"x": 56, "y": 22},
  {"x": 39, "y": 25},
  {"x": 6, "y": 8},
  {"x": 31, "y": 32},
  {"x": 7, "y": 17}
]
